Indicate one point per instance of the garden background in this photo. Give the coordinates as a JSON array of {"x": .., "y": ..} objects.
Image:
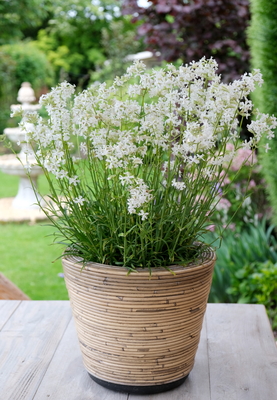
[{"x": 89, "y": 41}]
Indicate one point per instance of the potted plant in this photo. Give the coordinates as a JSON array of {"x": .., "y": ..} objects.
[{"x": 135, "y": 171}]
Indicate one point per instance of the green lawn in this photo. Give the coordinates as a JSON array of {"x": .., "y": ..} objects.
[
  {"x": 8, "y": 185},
  {"x": 27, "y": 253}
]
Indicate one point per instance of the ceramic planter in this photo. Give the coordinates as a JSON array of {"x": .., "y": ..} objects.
[{"x": 138, "y": 334}]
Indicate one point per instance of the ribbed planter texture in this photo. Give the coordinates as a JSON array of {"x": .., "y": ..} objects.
[{"x": 138, "y": 334}]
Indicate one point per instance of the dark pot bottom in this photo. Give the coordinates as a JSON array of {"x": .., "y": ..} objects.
[{"x": 151, "y": 389}]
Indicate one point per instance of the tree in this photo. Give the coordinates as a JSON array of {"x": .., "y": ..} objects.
[
  {"x": 17, "y": 16},
  {"x": 189, "y": 30},
  {"x": 68, "y": 33},
  {"x": 72, "y": 39}
]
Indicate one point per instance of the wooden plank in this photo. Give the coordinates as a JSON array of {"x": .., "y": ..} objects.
[
  {"x": 40, "y": 357},
  {"x": 7, "y": 308},
  {"x": 242, "y": 353},
  {"x": 28, "y": 342},
  {"x": 66, "y": 377},
  {"x": 196, "y": 386},
  {"x": 9, "y": 291}
]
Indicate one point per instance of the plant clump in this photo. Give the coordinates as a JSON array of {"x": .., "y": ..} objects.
[{"x": 136, "y": 170}]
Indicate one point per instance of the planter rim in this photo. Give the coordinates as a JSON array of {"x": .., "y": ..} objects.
[{"x": 208, "y": 256}]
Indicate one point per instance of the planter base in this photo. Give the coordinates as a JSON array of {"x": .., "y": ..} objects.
[{"x": 140, "y": 390}]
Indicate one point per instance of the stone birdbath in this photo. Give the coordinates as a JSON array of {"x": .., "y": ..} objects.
[{"x": 24, "y": 205}]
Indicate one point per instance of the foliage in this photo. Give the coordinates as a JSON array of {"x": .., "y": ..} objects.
[
  {"x": 72, "y": 41},
  {"x": 7, "y": 88},
  {"x": 30, "y": 64},
  {"x": 151, "y": 151},
  {"x": 224, "y": 268},
  {"x": 68, "y": 33},
  {"x": 262, "y": 39},
  {"x": 118, "y": 41},
  {"x": 238, "y": 251},
  {"x": 20, "y": 62},
  {"x": 256, "y": 283},
  {"x": 190, "y": 30},
  {"x": 19, "y": 15}
]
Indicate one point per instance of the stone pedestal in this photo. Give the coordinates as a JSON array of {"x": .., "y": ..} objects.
[{"x": 24, "y": 206}]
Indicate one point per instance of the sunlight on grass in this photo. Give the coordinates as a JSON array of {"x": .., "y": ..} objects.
[
  {"x": 27, "y": 253},
  {"x": 8, "y": 185},
  {"x": 27, "y": 260}
]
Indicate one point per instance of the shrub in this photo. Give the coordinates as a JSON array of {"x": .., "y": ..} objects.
[
  {"x": 20, "y": 62},
  {"x": 254, "y": 244},
  {"x": 262, "y": 39},
  {"x": 190, "y": 30},
  {"x": 256, "y": 283},
  {"x": 7, "y": 88},
  {"x": 31, "y": 64}
]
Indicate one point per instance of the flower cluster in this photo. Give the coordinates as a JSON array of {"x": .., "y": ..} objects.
[{"x": 139, "y": 163}]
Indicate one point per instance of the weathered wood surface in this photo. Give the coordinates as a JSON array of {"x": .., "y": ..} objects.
[
  {"x": 40, "y": 357},
  {"x": 66, "y": 377},
  {"x": 28, "y": 341},
  {"x": 7, "y": 308},
  {"x": 242, "y": 353}
]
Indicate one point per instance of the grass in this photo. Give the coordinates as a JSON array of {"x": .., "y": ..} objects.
[
  {"x": 27, "y": 253},
  {"x": 8, "y": 185},
  {"x": 26, "y": 259}
]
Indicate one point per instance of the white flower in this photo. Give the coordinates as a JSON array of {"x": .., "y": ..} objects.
[
  {"x": 61, "y": 174},
  {"x": 266, "y": 147},
  {"x": 136, "y": 69},
  {"x": 74, "y": 180},
  {"x": 28, "y": 167},
  {"x": 79, "y": 200},
  {"x": 83, "y": 148},
  {"x": 178, "y": 185},
  {"x": 139, "y": 196},
  {"x": 263, "y": 125},
  {"x": 143, "y": 215},
  {"x": 127, "y": 179}
]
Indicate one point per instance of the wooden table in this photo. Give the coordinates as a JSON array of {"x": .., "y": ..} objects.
[{"x": 40, "y": 357}]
